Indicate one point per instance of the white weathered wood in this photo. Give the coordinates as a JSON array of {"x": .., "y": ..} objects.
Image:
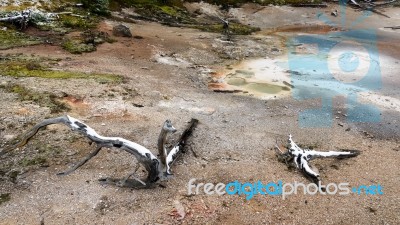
[
  {"x": 301, "y": 157},
  {"x": 157, "y": 170}
]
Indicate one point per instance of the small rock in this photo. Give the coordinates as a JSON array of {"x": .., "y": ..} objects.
[
  {"x": 71, "y": 153},
  {"x": 340, "y": 124},
  {"x": 335, "y": 167},
  {"x": 103, "y": 124},
  {"x": 121, "y": 31},
  {"x": 9, "y": 137},
  {"x": 348, "y": 129},
  {"x": 102, "y": 205},
  {"x": 334, "y": 13},
  {"x": 373, "y": 210},
  {"x": 179, "y": 211},
  {"x": 203, "y": 111},
  {"x": 368, "y": 135},
  {"x": 274, "y": 49}
]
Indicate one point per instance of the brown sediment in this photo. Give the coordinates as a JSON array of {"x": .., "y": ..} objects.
[
  {"x": 300, "y": 28},
  {"x": 217, "y": 86},
  {"x": 23, "y": 111},
  {"x": 76, "y": 104}
]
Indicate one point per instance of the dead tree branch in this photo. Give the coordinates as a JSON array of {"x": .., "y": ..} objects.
[
  {"x": 370, "y": 6},
  {"x": 23, "y": 18},
  {"x": 300, "y": 157},
  {"x": 157, "y": 169}
]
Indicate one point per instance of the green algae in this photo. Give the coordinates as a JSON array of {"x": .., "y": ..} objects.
[{"x": 11, "y": 39}]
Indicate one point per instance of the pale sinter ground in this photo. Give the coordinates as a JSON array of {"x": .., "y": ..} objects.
[{"x": 168, "y": 73}]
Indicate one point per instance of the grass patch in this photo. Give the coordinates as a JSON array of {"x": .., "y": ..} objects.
[
  {"x": 77, "y": 47},
  {"x": 22, "y": 6},
  {"x": 99, "y": 7},
  {"x": 86, "y": 42},
  {"x": 11, "y": 39},
  {"x": 165, "y": 14},
  {"x": 234, "y": 28},
  {"x": 43, "y": 99},
  {"x": 38, "y": 160},
  {"x": 34, "y": 69},
  {"x": 46, "y": 154},
  {"x": 118, "y": 4},
  {"x": 80, "y": 19},
  {"x": 169, "y": 10},
  {"x": 75, "y": 22},
  {"x": 174, "y": 14}
]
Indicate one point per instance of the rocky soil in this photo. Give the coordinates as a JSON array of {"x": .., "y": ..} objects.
[{"x": 167, "y": 72}]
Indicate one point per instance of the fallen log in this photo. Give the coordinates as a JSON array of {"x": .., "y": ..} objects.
[
  {"x": 157, "y": 169},
  {"x": 22, "y": 18},
  {"x": 26, "y": 17}
]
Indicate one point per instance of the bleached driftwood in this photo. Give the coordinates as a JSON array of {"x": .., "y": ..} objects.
[
  {"x": 301, "y": 157},
  {"x": 23, "y": 18},
  {"x": 157, "y": 168},
  {"x": 371, "y": 6}
]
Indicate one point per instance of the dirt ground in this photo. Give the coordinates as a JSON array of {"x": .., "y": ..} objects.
[{"x": 168, "y": 73}]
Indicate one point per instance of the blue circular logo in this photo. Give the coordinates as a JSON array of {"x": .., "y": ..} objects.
[{"x": 348, "y": 62}]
